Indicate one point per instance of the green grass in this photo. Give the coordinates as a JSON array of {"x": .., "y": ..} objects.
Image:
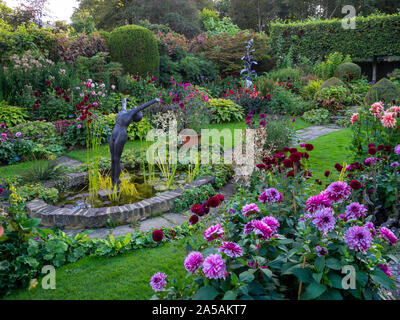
[
  {"x": 122, "y": 277},
  {"x": 328, "y": 150}
]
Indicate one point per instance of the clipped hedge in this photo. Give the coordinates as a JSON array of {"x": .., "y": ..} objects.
[
  {"x": 333, "y": 82},
  {"x": 342, "y": 72},
  {"x": 136, "y": 49},
  {"x": 373, "y": 36}
]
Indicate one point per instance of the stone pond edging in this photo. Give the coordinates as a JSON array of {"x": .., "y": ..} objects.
[{"x": 96, "y": 217}]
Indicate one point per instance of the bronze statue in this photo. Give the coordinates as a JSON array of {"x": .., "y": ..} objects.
[{"x": 119, "y": 135}]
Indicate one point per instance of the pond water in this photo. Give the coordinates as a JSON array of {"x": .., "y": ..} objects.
[{"x": 77, "y": 198}]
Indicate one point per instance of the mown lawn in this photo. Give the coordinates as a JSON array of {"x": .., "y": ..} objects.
[{"x": 124, "y": 277}]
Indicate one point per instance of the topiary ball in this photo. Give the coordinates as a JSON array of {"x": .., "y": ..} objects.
[
  {"x": 136, "y": 49},
  {"x": 348, "y": 71},
  {"x": 384, "y": 90},
  {"x": 334, "y": 82}
]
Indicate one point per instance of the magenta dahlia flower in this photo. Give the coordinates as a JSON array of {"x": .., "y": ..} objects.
[
  {"x": 193, "y": 261},
  {"x": 214, "y": 267},
  {"x": 317, "y": 202},
  {"x": 358, "y": 238},
  {"x": 262, "y": 229},
  {"x": 231, "y": 249},
  {"x": 371, "y": 228},
  {"x": 248, "y": 227},
  {"x": 324, "y": 220},
  {"x": 250, "y": 209},
  {"x": 270, "y": 195},
  {"x": 337, "y": 191},
  {"x": 397, "y": 149},
  {"x": 214, "y": 232},
  {"x": 355, "y": 211},
  {"x": 385, "y": 268},
  {"x": 388, "y": 235},
  {"x": 271, "y": 222},
  {"x": 158, "y": 282}
]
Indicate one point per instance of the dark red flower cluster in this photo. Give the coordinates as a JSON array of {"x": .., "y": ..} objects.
[
  {"x": 200, "y": 210},
  {"x": 158, "y": 235},
  {"x": 289, "y": 86}
]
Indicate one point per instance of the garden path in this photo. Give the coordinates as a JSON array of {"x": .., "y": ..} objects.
[{"x": 313, "y": 132}]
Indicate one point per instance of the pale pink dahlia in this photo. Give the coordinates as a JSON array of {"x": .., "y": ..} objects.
[
  {"x": 317, "y": 202},
  {"x": 271, "y": 222},
  {"x": 358, "y": 238},
  {"x": 250, "y": 209},
  {"x": 193, "y": 261},
  {"x": 231, "y": 249},
  {"x": 214, "y": 267},
  {"x": 158, "y": 282},
  {"x": 214, "y": 232},
  {"x": 354, "y": 118},
  {"x": 355, "y": 211},
  {"x": 388, "y": 235},
  {"x": 324, "y": 220},
  {"x": 337, "y": 191},
  {"x": 388, "y": 120},
  {"x": 270, "y": 195},
  {"x": 376, "y": 109}
]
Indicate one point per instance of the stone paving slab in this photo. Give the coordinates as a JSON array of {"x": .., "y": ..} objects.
[
  {"x": 123, "y": 230},
  {"x": 313, "y": 132},
  {"x": 177, "y": 219},
  {"x": 154, "y": 223}
]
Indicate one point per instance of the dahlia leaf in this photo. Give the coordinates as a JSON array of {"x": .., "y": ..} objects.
[
  {"x": 331, "y": 294},
  {"x": 381, "y": 278},
  {"x": 362, "y": 278},
  {"x": 335, "y": 281},
  {"x": 313, "y": 291},
  {"x": 206, "y": 293},
  {"x": 303, "y": 275},
  {"x": 246, "y": 276},
  {"x": 333, "y": 264},
  {"x": 230, "y": 295}
]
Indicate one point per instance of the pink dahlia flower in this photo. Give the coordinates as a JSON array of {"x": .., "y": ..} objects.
[
  {"x": 388, "y": 235},
  {"x": 355, "y": 211},
  {"x": 358, "y": 238},
  {"x": 270, "y": 195},
  {"x": 385, "y": 268},
  {"x": 376, "y": 109},
  {"x": 214, "y": 267},
  {"x": 317, "y": 202},
  {"x": 193, "y": 261},
  {"x": 248, "y": 227},
  {"x": 397, "y": 149},
  {"x": 214, "y": 232},
  {"x": 271, "y": 222},
  {"x": 354, "y": 118},
  {"x": 250, "y": 209},
  {"x": 262, "y": 229},
  {"x": 371, "y": 228},
  {"x": 158, "y": 282},
  {"x": 337, "y": 191},
  {"x": 231, "y": 249},
  {"x": 324, "y": 220},
  {"x": 388, "y": 120}
]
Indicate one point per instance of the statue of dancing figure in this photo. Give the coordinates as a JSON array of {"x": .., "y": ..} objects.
[{"x": 119, "y": 135}]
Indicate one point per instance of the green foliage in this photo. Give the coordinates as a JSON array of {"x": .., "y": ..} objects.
[
  {"x": 326, "y": 69},
  {"x": 309, "y": 91},
  {"x": 136, "y": 49},
  {"x": 50, "y": 170},
  {"x": 280, "y": 133},
  {"x": 37, "y": 191},
  {"x": 12, "y": 116},
  {"x": 309, "y": 38},
  {"x": 348, "y": 71},
  {"x": 384, "y": 90},
  {"x": 285, "y": 74},
  {"x": 333, "y": 82},
  {"x": 194, "y": 195},
  {"x": 284, "y": 101},
  {"x": 265, "y": 85},
  {"x": 225, "y": 110},
  {"x": 332, "y": 98},
  {"x": 316, "y": 116},
  {"x": 216, "y": 26}
]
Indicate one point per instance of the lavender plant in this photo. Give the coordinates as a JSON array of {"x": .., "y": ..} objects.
[{"x": 249, "y": 61}]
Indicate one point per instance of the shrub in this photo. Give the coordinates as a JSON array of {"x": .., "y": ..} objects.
[
  {"x": 265, "y": 85},
  {"x": 136, "y": 49},
  {"x": 348, "y": 71},
  {"x": 374, "y": 37},
  {"x": 227, "y": 50},
  {"x": 279, "y": 133},
  {"x": 384, "y": 90},
  {"x": 35, "y": 130},
  {"x": 135, "y": 129},
  {"x": 285, "y": 102},
  {"x": 327, "y": 68},
  {"x": 286, "y": 74},
  {"x": 225, "y": 110},
  {"x": 334, "y": 82},
  {"x": 309, "y": 91},
  {"x": 332, "y": 98},
  {"x": 193, "y": 67},
  {"x": 142, "y": 89},
  {"x": 316, "y": 116},
  {"x": 12, "y": 116}
]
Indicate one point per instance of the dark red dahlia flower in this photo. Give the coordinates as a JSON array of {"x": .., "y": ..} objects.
[
  {"x": 355, "y": 184},
  {"x": 158, "y": 235}
]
